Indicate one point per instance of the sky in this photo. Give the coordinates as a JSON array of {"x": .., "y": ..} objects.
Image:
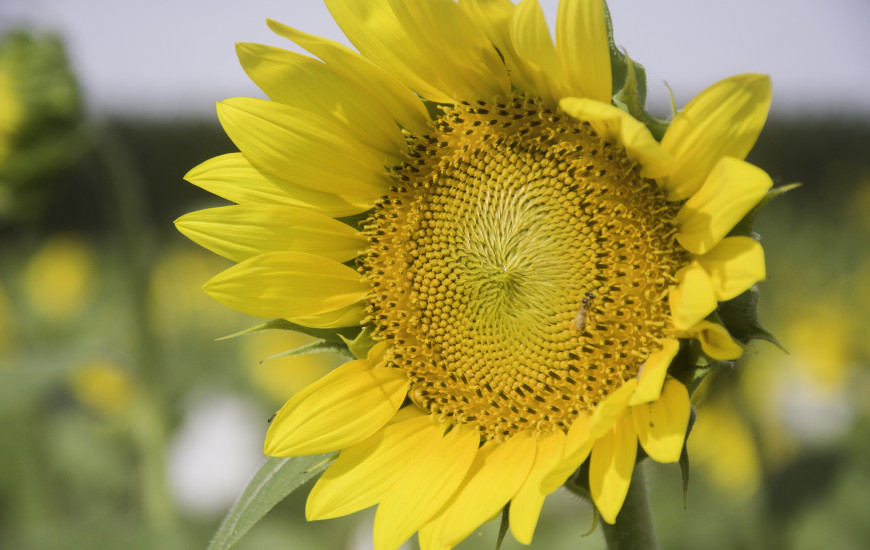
[{"x": 176, "y": 57}]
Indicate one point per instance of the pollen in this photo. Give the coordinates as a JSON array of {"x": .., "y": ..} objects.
[{"x": 519, "y": 267}]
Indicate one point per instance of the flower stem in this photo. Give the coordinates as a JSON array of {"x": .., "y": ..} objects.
[
  {"x": 633, "y": 529},
  {"x": 149, "y": 429}
]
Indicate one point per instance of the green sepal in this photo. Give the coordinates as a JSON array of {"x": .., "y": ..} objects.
[
  {"x": 684, "y": 465},
  {"x": 684, "y": 457},
  {"x": 744, "y": 226},
  {"x": 329, "y": 334},
  {"x": 619, "y": 66},
  {"x": 276, "y": 479},
  {"x": 740, "y": 317},
  {"x": 318, "y": 346},
  {"x": 503, "y": 526},
  {"x": 684, "y": 365},
  {"x": 362, "y": 344},
  {"x": 628, "y": 81},
  {"x": 692, "y": 365}
]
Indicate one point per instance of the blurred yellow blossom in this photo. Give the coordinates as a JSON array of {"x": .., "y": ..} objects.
[
  {"x": 175, "y": 303},
  {"x": 59, "y": 278},
  {"x": 103, "y": 387},
  {"x": 722, "y": 445}
]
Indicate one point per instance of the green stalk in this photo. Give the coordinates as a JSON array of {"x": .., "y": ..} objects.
[
  {"x": 149, "y": 427},
  {"x": 633, "y": 529}
]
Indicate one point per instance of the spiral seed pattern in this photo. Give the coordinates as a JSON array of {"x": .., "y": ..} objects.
[{"x": 519, "y": 267}]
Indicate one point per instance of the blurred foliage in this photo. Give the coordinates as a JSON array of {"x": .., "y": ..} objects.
[
  {"x": 125, "y": 424},
  {"x": 41, "y": 116}
]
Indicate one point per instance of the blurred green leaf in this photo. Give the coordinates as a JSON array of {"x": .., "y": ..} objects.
[
  {"x": 318, "y": 346},
  {"x": 271, "y": 484},
  {"x": 328, "y": 334}
]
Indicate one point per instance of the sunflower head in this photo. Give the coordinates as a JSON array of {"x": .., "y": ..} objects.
[{"x": 541, "y": 269}]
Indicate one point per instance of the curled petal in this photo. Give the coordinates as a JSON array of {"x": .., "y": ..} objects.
[
  {"x": 732, "y": 189},
  {"x": 723, "y": 120},
  {"x": 661, "y": 424},
  {"x": 716, "y": 341},
  {"x": 610, "y": 467},
  {"x": 653, "y": 371},
  {"x": 734, "y": 265},
  {"x": 611, "y": 409},
  {"x": 614, "y": 123},
  {"x": 694, "y": 298}
]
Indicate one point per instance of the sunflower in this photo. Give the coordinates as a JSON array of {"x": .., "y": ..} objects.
[{"x": 528, "y": 257}]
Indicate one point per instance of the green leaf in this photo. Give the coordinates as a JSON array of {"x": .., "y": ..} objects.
[
  {"x": 329, "y": 334},
  {"x": 276, "y": 479},
  {"x": 319, "y": 346}
]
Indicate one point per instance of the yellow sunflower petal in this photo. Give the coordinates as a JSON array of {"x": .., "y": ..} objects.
[
  {"x": 345, "y": 317},
  {"x": 429, "y": 536},
  {"x": 734, "y": 265},
  {"x": 495, "y": 476},
  {"x": 615, "y": 124},
  {"x": 611, "y": 409},
  {"x": 287, "y": 284},
  {"x": 578, "y": 443},
  {"x": 653, "y": 371},
  {"x": 337, "y": 412},
  {"x": 694, "y": 298},
  {"x": 424, "y": 488},
  {"x": 581, "y": 41},
  {"x": 716, "y": 341},
  {"x": 733, "y": 188},
  {"x": 493, "y": 17},
  {"x": 723, "y": 120},
  {"x": 232, "y": 177},
  {"x": 610, "y": 467},
  {"x": 404, "y": 107},
  {"x": 364, "y": 472},
  {"x": 526, "y": 504},
  {"x": 240, "y": 232},
  {"x": 300, "y": 81},
  {"x": 439, "y": 68},
  {"x": 462, "y": 55},
  {"x": 531, "y": 38},
  {"x": 307, "y": 149},
  {"x": 375, "y": 31},
  {"x": 661, "y": 425}
]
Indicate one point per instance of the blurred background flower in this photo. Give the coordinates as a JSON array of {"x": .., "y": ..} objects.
[{"x": 126, "y": 424}]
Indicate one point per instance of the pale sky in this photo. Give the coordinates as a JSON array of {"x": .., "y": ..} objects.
[{"x": 176, "y": 57}]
